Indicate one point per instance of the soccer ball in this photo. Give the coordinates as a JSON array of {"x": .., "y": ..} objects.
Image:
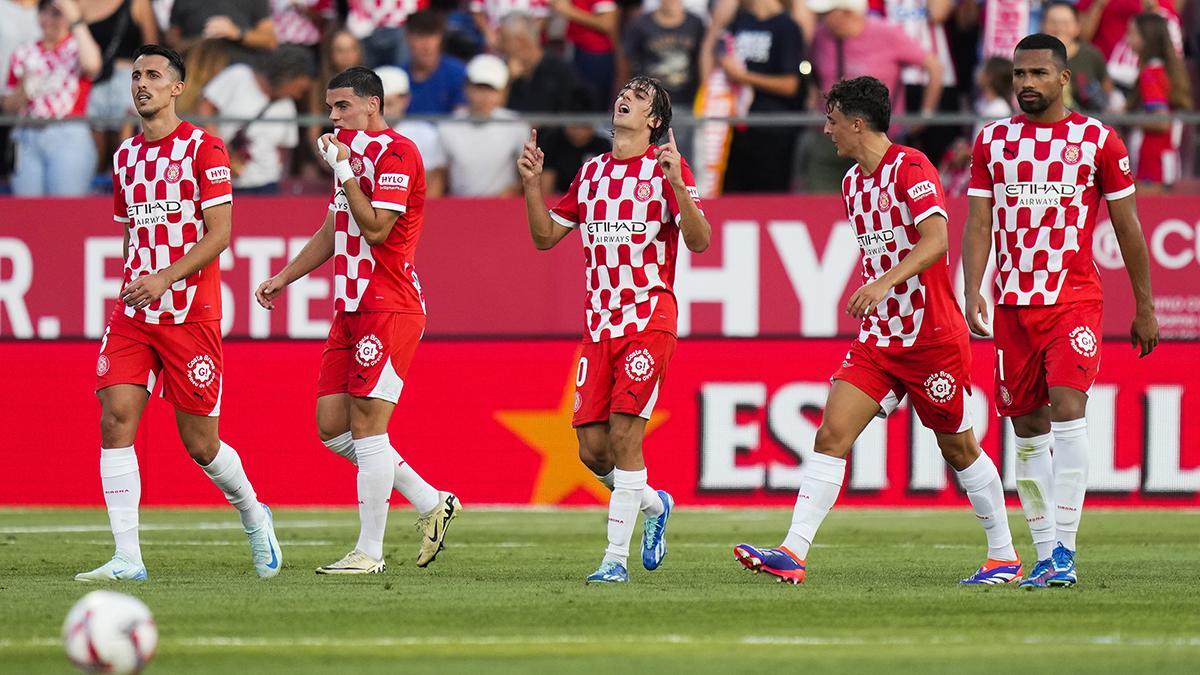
[{"x": 110, "y": 632}]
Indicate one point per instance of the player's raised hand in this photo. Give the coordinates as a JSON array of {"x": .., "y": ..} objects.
[
  {"x": 977, "y": 315},
  {"x": 669, "y": 159},
  {"x": 532, "y": 160},
  {"x": 332, "y": 150},
  {"x": 1143, "y": 335},
  {"x": 145, "y": 290},
  {"x": 866, "y": 299},
  {"x": 268, "y": 290}
]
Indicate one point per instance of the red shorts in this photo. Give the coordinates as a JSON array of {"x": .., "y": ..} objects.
[
  {"x": 937, "y": 378},
  {"x": 621, "y": 375},
  {"x": 187, "y": 357},
  {"x": 1042, "y": 347},
  {"x": 368, "y": 354}
]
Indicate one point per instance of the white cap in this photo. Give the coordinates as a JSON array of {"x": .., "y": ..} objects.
[
  {"x": 488, "y": 70},
  {"x": 395, "y": 80},
  {"x": 822, "y": 6}
]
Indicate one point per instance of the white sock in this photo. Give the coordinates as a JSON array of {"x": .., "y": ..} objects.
[
  {"x": 226, "y": 472},
  {"x": 343, "y": 445},
  {"x": 1070, "y": 477},
  {"x": 623, "y": 508},
  {"x": 122, "y": 484},
  {"x": 606, "y": 479},
  {"x": 650, "y": 505},
  {"x": 982, "y": 484},
  {"x": 376, "y": 473},
  {"x": 1035, "y": 485},
  {"x": 819, "y": 488},
  {"x": 406, "y": 481}
]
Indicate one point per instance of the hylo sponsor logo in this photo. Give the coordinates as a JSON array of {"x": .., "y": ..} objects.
[
  {"x": 923, "y": 189},
  {"x": 218, "y": 174},
  {"x": 393, "y": 181}
]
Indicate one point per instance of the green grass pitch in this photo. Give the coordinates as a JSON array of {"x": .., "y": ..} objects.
[{"x": 507, "y": 595}]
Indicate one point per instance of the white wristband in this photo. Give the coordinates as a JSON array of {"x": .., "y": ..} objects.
[{"x": 343, "y": 171}]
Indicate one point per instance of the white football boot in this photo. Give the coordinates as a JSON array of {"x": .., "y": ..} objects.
[
  {"x": 264, "y": 547},
  {"x": 355, "y": 562},
  {"x": 119, "y": 568}
]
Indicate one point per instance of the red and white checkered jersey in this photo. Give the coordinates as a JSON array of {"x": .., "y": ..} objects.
[
  {"x": 496, "y": 10},
  {"x": 294, "y": 23},
  {"x": 54, "y": 82},
  {"x": 626, "y": 213},
  {"x": 885, "y": 208},
  {"x": 160, "y": 191},
  {"x": 1045, "y": 182},
  {"x": 380, "y": 278},
  {"x": 372, "y": 14}
]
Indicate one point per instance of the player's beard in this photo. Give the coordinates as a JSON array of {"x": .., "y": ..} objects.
[{"x": 1034, "y": 107}]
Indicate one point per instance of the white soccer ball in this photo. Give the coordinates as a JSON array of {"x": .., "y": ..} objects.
[{"x": 110, "y": 632}]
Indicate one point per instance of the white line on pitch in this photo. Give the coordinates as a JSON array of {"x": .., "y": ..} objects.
[{"x": 170, "y": 527}]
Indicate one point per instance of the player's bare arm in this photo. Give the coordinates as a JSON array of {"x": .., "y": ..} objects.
[
  {"x": 218, "y": 224},
  {"x": 929, "y": 249},
  {"x": 375, "y": 224},
  {"x": 697, "y": 232},
  {"x": 314, "y": 254},
  {"x": 544, "y": 231},
  {"x": 1143, "y": 334},
  {"x": 977, "y": 247}
]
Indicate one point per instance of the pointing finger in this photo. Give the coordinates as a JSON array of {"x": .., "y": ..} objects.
[{"x": 671, "y": 136}]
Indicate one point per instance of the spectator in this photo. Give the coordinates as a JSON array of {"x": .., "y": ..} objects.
[
  {"x": 665, "y": 44},
  {"x": 1163, "y": 88},
  {"x": 50, "y": 79},
  {"x": 1104, "y": 22},
  {"x": 848, "y": 43},
  {"x": 489, "y": 14},
  {"x": 204, "y": 60},
  {"x": 568, "y": 148},
  {"x": 119, "y": 27},
  {"x": 245, "y": 25},
  {"x": 592, "y": 31},
  {"x": 436, "y": 79},
  {"x": 261, "y": 94},
  {"x": 339, "y": 50},
  {"x": 696, "y": 7},
  {"x": 541, "y": 81},
  {"x": 1090, "y": 85},
  {"x": 396, "y": 97},
  {"x": 766, "y": 56},
  {"x": 302, "y": 22},
  {"x": 995, "y": 91},
  {"x": 380, "y": 25},
  {"x": 18, "y": 24},
  {"x": 482, "y": 156}
]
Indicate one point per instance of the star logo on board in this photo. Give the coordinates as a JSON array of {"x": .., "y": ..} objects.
[{"x": 548, "y": 432}]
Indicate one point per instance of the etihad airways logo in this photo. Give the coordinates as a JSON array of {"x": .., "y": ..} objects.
[
  {"x": 614, "y": 231},
  {"x": 876, "y": 243},
  {"x": 149, "y": 214},
  {"x": 1041, "y": 194}
]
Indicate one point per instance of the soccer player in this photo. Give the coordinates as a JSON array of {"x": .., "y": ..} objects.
[
  {"x": 630, "y": 206},
  {"x": 1037, "y": 180},
  {"x": 913, "y": 340},
  {"x": 173, "y": 198},
  {"x": 371, "y": 231}
]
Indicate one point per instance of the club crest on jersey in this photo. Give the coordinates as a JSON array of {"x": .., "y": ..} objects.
[
  {"x": 368, "y": 351},
  {"x": 1071, "y": 154},
  {"x": 102, "y": 366},
  {"x": 1083, "y": 341},
  {"x": 643, "y": 191},
  {"x": 356, "y": 165},
  {"x": 940, "y": 386},
  {"x": 885, "y": 201},
  {"x": 1005, "y": 395},
  {"x": 1123, "y": 164},
  {"x": 639, "y": 365},
  {"x": 201, "y": 371},
  {"x": 174, "y": 172}
]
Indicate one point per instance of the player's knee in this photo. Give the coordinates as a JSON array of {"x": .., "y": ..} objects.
[
  {"x": 1066, "y": 408},
  {"x": 832, "y": 442},
  {"x": 201, "y": 449},
  {"x": 116, "y": 423},
  {"x": 958, "y": 451},
  {"x": 624, "y": 438},
  {"x": 328, "y": 429}
]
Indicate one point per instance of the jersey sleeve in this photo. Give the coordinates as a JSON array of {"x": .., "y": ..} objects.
[
  {"x": 690, "y": 182},
  {"x": 213, "y": 174},
  {"x": 566, "y": 211},
  {"x": 396, "y": 173},
  {"x": 13, "y": 77},
  {"x": 120, "y": 208},
  {"x": 1114, "y": 176},
  {"x": 981, "y": 174},
  {"x": 921, "y": 190}
]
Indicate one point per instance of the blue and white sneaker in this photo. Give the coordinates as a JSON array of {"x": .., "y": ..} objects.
[
  {"x": 778, "y": 562},
  {"x": 654, "y": 534},
  {"x": 994, "y": 573},
  {"x": 264, "y": 547},
  {"x": 1037, "y": 578},
  {"x": 119, "y": 568},
  {"x": 610, "y": 572},
  {"x": 1062, "y": 562}
]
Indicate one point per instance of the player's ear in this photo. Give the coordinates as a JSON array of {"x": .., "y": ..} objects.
[{"x": 177, "y": 87}]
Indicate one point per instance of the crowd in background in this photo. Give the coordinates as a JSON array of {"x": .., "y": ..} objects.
[{"x": 480, "y": 66}]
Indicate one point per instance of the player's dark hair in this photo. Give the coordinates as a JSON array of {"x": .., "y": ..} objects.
[
  {"x": 1058, "y": 51},
  {"x": 362, "y": 80},
  {"x": 660, "y": 104},
  {"x": 174, "y": 60},
  {"x": 1157, "y": 46},
  {"x": 425, "y": 22},
  {"x": 864, "y": 97},
  {"x": 287, "y": 63},
  {"x": 998, "y": 74}
]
